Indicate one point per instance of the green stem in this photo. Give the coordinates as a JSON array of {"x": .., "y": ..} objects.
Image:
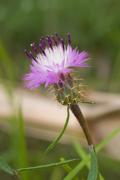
[
  {"x": 47, "y": 165},
  {"x": 55, "y": 141}
]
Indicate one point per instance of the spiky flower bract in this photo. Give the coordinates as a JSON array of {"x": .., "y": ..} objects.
[{"x": 53, "y": 61}]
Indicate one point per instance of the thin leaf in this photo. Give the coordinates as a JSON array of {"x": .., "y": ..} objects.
[
  {"x": 93, "y": 172},
  {"x": 5, "y": 167},
  {"x": 65, "y": 166},
  {"x": 79, "y": 149},
  {"x": 76, "y": 170},
  {"x": 21, "y": 145},
  {"x": 81, "y": 152},
  {"x": 68, "y": 168},
  {"x": 105, "y": 141},
  {"x": 99, "y": 147},
  {"x": 47, "y": 165},
  {"x": 56, "y": 140}
]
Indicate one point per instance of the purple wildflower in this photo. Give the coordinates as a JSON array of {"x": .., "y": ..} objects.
[{"x": 52, "y": 60}]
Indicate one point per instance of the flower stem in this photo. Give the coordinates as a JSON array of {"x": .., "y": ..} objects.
[
  {"x": 83, "y": 123},
  {"x": 47, "y": 165}
]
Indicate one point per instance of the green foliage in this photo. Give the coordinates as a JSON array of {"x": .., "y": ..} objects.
[
  {"x": 21, "y": 144},
  {"x": 94, "y": 26},
  {"x": 71, "y": 170},
  {"x": 86, "y": 159},
  {"x": 5, "y": 167},
  {"x": 17, "y": 141},
  {"x": 47, "y": 165},
  {"x": 93, "y": 172},
  {"x": 81, "y": 152},
  {"x": 105, "y": 141},
  {"x": 96, "y": 23}
]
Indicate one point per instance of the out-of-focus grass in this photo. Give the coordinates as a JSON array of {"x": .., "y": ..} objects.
[
  {"x": 18, "y": 142},
  {"x": 108, "y": 167},
  {"x": 17, "y": 138},
  {"x": 7, "y": 70},
  {"x": 94, "y": 27}
]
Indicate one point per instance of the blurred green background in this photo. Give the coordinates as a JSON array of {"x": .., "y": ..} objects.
[{"x": 95, "y": 27}]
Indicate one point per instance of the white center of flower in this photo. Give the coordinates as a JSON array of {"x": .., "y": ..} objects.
[{"x": 54, "y": 59}]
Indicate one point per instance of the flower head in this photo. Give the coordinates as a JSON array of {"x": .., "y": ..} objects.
[{"x": 52, "y": 61}]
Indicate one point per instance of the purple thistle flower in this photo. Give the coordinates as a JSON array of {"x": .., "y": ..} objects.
[
  {"x": 52, "y": 60},
  {"x": 52, "y": 64}
]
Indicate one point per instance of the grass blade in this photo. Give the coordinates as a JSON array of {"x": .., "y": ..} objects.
[
  {"x": 67, "y": 168},
  {"x": 47, "y": 165},
  {"x": 22, "y": 144},
  {"x": 76, "y": 170},
  {"x": 105, "y": 141},
  {"x": 99, "y": 147},
  {"x": 93, "y": 172},
  {"x": 5, "y": 167},
  {"x": 81, "y": 152}
]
